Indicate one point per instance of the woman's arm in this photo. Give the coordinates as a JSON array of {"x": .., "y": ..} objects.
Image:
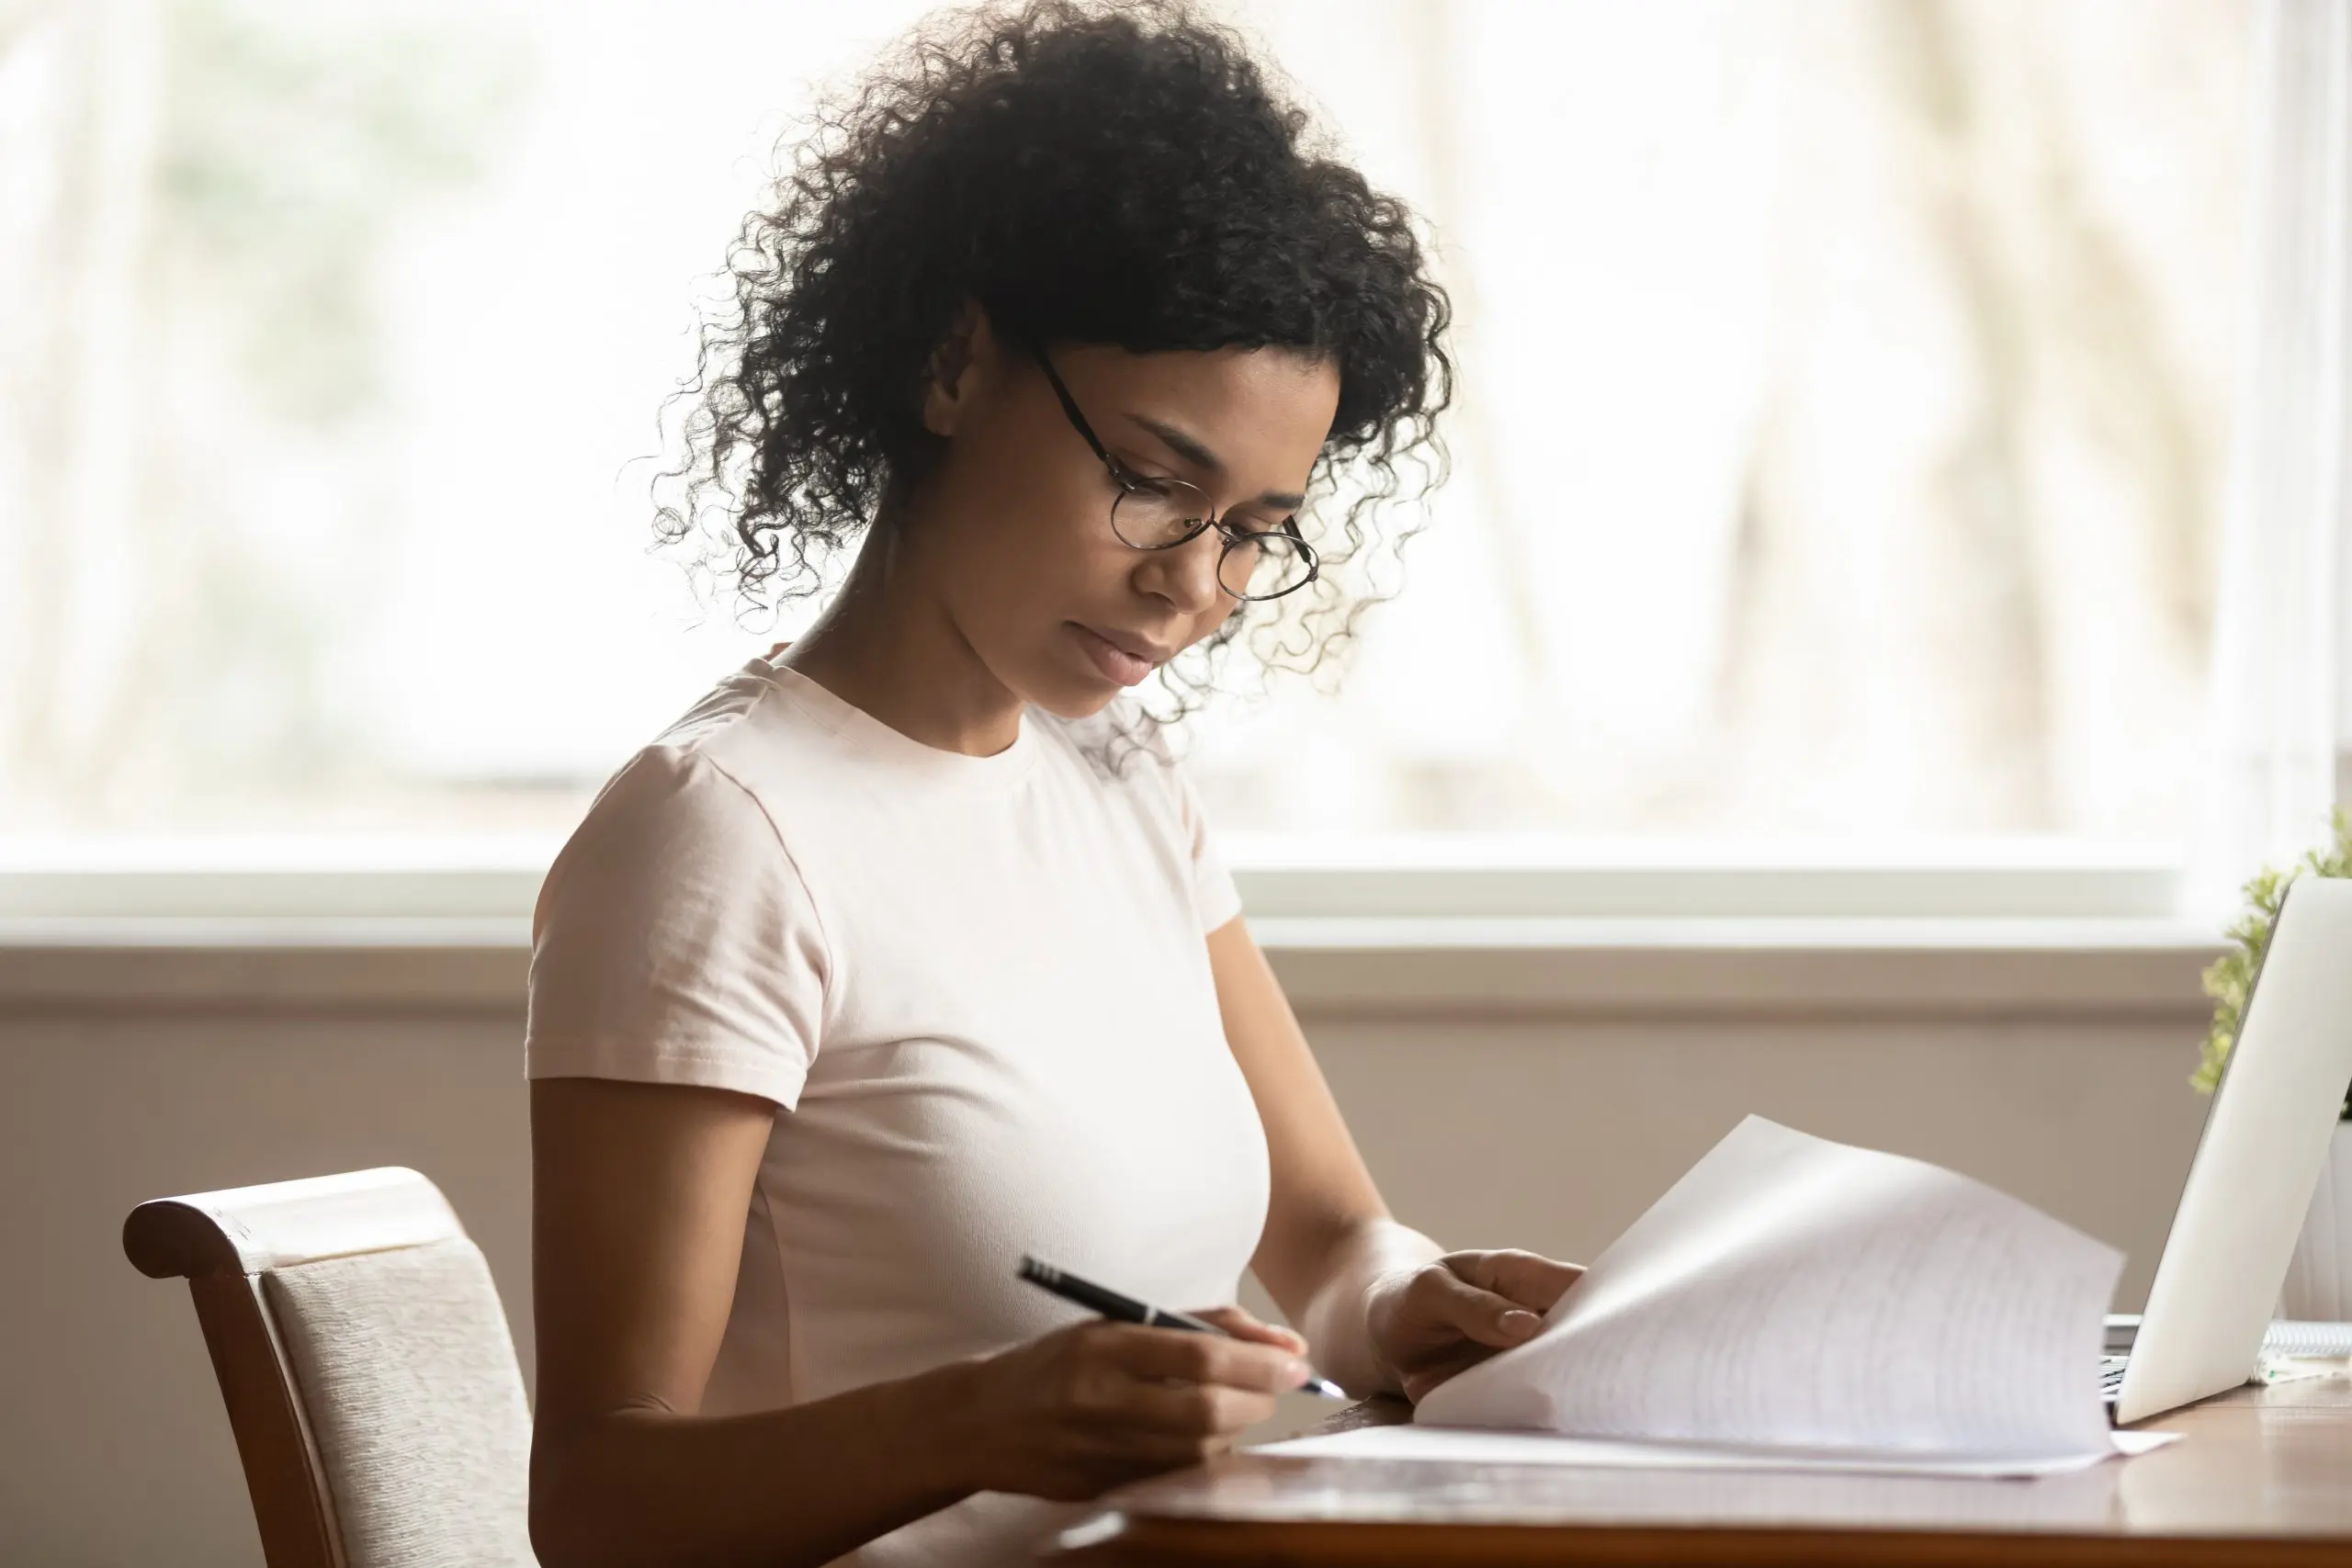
[
  {"x": 638, "y": 1197},
  {"x": 1385, "y": 1308},
  {"x": 1329, "y": 1236}
]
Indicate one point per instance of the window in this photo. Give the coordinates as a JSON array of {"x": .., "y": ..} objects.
[{"x": 1845, "y": 394}]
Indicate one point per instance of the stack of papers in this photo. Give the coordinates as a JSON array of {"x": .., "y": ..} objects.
[{"x": 1793, "y": 1302}]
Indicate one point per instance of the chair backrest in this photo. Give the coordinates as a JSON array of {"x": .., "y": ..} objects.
[{"x": 366, "y": 1364}]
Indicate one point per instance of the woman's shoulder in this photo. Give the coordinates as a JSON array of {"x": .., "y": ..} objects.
[
  {"x": 681, "y": 829},
  {"x": 699, "y": 779}
]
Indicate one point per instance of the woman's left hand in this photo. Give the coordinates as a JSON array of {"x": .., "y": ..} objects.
[{"x": 1430, "y": 1323}]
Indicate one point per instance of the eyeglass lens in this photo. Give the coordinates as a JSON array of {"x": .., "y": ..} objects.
[{"x": 1162, "y": 513}]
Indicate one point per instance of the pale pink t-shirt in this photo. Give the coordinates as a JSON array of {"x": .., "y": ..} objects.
[{"x": 978, "y": 990}]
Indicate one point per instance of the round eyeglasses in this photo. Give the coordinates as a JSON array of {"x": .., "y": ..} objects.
[{"x": 1154, "y": 514}]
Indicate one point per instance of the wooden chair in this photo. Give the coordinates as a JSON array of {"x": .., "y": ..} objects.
[{"x": 366, "y": 1363}]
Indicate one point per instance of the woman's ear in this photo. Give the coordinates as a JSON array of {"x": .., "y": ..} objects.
[{"x": 965, "y": 359}]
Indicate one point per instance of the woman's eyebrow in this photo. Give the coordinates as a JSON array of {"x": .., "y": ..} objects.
[{"x": 1190, "y": 449}]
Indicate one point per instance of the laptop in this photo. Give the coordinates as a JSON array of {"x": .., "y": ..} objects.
[{"x": 2257, "y": 1161}]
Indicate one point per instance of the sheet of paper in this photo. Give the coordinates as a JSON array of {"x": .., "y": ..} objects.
[
  {"x": 1789, "y": 1292},
  {"x": 1465, "y": 1445}
]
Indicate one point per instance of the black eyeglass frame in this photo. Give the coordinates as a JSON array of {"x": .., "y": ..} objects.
[{"x": 1129, "y": 483}]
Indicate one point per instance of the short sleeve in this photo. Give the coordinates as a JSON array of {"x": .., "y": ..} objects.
[{"x": 675, "y": 941}]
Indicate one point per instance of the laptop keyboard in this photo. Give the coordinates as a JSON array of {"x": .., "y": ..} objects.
[{"x": 2110, "y": 1376}]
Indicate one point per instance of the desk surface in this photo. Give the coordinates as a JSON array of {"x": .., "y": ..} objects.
[{"x": 2261, "y": 1475}]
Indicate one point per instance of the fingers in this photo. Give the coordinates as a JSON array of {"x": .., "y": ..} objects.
[
  {"x": 1527, "y": 1279},
  {"x": 1096, "y": 1404},
  {"x": 1235, "y": 1320},
  {"x": 1134, "y": 1453},
  {"x": 1482, "y": 1315},
  {"x": 1196, "y": 1410},
  {"x": 1176, "y": 1397},
  {"x": 1176, "y": 1355}
]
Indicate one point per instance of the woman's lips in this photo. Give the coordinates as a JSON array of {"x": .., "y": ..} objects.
[{"x": 1115, "y": 664}]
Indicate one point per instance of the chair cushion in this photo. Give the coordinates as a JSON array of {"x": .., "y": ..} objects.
[{"x": 409, "y": 1378}]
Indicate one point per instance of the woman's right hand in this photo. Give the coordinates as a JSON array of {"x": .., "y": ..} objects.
[{"x": 1085, "y": 1408}]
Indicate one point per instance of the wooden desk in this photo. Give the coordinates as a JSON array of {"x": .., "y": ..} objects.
[{"x": 2260, "y": 1476}]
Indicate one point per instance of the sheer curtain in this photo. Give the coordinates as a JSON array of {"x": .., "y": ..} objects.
[
  {"x": 1841, "y": 443},
  {"x": 1841, "y": 457},
  {"x": 2283, "y": 690}
]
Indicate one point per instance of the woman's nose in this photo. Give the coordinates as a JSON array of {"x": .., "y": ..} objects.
[{"x": 1187, "y": 575}]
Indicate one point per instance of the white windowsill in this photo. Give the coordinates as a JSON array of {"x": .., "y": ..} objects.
[
  {"x": 1374, "y": 968},
  {"x": 1491, "y": 927},
  {"x": 1509, "y": 876}
]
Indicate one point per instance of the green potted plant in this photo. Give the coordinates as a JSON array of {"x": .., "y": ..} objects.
[{"x": 2319, "y": 1281}]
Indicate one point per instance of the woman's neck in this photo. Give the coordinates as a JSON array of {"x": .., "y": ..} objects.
[{"x": 887, "y": 645}]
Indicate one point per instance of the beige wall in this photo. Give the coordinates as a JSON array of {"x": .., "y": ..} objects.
[{"x": 1543, "y": 1132}]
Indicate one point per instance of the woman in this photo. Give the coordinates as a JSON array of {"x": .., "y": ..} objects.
[{"x": 899, "y": 956}]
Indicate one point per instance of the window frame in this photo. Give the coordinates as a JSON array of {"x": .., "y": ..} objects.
[{"x": 1412, "y": 878}]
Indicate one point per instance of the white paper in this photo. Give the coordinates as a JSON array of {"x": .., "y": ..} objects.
[
  {"x": 1469, "y": 1445},
  {"x": 1791, "y": 1293}
]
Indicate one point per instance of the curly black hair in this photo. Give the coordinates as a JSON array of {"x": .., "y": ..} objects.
[{"x": 1087, "y": 172}]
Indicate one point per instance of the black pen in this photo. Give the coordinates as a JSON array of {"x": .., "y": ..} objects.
[{"x": 1126, "y": 1309}]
